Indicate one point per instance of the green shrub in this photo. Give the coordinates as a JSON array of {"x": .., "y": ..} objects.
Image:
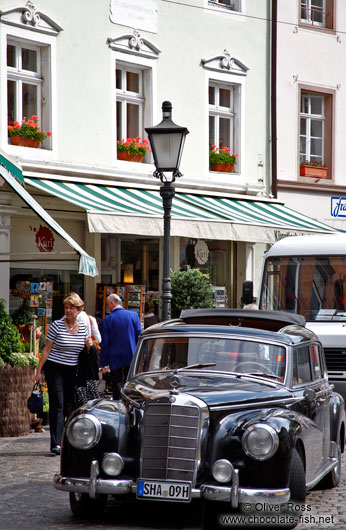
[
  {"x": 10, "y": 340},
  {"x": 22, "y": 315},
  {"x": 191, "y": 289}
]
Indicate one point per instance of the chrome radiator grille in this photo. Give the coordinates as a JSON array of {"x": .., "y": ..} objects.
[{"x": 170, "y": 443}]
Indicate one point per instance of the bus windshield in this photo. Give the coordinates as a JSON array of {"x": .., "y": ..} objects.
[{"x": 313, "y": 286}]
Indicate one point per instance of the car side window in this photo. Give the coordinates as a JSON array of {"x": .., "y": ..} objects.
[
  {"x": 301, "y": 366},
  {"x": 316, "y": 362}
]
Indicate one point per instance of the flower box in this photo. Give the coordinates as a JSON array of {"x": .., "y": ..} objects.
[
  {"x": 132, "y": 149},
  {"x": 314, "y": 171},
  {"x": 27, "y": 133},
  {"x": 221, "y": 159},
  {"x": 125, "y": 155},
  {"x": 24, "y": 142},
  {"x": 223, "y": 168}
]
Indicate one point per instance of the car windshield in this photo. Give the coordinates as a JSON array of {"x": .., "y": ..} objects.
[
  {"x": 311, "y": 286},
  {"x": 220, "y": 354}
]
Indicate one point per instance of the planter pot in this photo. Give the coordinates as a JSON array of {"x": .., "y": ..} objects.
[
  {"x": 16, "y": 383},
  {"x": 124, "y": 155},
  {"x": 25, "y": 142},
  {"x": 313, "y": 171},
  {"x": 223, "y": 168}
]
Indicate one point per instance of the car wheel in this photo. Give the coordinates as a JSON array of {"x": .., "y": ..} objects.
[
  {"x": 297, "y": 487},
  {"x": 83, "y": 506},
  {"x": 297, "y": 483},
  {"x": 333, "y": 478}
]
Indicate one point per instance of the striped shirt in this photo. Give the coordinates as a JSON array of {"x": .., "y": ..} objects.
[{"x": 66, "y": 346}]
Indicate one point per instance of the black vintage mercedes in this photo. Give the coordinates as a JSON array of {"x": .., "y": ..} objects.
[{"x": 232, "y": 407}]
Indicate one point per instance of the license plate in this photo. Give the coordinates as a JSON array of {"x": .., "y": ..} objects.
[{"x": 161, "y": 490}]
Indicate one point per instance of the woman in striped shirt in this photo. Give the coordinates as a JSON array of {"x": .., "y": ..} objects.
[{"x": 66, "y": 338}]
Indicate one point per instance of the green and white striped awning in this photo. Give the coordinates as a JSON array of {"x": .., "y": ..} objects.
[
  {"x": 87, "y": 264},
  {"x": 139, "y": 211}
]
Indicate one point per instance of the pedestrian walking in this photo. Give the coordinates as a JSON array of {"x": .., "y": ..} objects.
[
  {"x": 66, "y": 338},
  {"x": 92, "y": 327},
  {"x": 150, "y": 317},
  {"x": 120, "y": 332}
]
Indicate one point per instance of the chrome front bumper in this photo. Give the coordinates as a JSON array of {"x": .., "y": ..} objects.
[{"x": 234, "y": 494}]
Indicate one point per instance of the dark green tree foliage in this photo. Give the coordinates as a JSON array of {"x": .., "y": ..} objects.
[
  {"x": 190, "y": 290},
  {"x": 10, "y": 340},
  {"x": 22, "y": 315}
]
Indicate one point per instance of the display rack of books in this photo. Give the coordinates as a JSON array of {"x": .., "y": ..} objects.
[
  {"x": 133, "y": 298},
  {"x": 136, "y": 299},
  {"x": 39, "y": 298}
]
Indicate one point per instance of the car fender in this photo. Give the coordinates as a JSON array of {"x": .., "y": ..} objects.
[{"x": 337, "y": 418}]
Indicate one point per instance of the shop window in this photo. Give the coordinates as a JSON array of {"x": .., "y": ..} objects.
[
  {"x": 317, "y": 13},
  {"x": 140, "y": 263},
  {"x": 214, "y": 264},
  {"x": 44, "y": 290},
  {"x": 223, "y": 100},
  {"x": 316, "y": 132}
]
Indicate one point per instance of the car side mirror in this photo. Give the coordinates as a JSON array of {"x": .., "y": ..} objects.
[
  {"x": 247, "y": 295},
  {"x": 309, "y": 395}
]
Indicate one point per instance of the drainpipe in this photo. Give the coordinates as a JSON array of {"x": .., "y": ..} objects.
[{"x": 274, "y": 14}]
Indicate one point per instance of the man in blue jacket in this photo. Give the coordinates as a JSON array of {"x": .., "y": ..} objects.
[{"x": 120, "y": 332}]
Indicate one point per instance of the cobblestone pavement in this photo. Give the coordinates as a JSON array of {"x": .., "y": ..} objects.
[{"x": 28, "y": 500}]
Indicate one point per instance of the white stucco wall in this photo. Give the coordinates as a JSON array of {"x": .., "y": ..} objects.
[
  {"x": 313, "y": 58},
  {"x": 84, "y": 127}
]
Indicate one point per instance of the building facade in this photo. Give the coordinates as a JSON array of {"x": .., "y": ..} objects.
[
  {"x": 95, "y": 73},
  {"x": 311, "y": 103}
]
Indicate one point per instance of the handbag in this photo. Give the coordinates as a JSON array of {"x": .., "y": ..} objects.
[
  {"x": 35, "y": 401},
  {"x": 95, "y": 341}
]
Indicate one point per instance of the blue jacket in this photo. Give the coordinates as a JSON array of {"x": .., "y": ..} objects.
[{"x": 120, "y": 332}]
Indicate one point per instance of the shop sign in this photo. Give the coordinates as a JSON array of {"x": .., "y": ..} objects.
[
  {"x": 338, "y": 206},
  {"x": 44, "y": 239},
  {"x": 201, "y": 252},
  {"x": 139, "y": 14}
]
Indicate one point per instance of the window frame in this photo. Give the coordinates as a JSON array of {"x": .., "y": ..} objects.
[
  {"x": 148, "y": 68},
  {"x": 47, "y": 102},
  {"x": 329, "y": 133},
  {"x": 309, "y": 118},
  {"x": 125, "y": 97},
  {"x": 21, "y": 76},
  {"x": 328, "y": 11},
  {"x": 219, "y": 5},
  {"x": 237, "y": 133},
  {"x": 218, "y": 112}
]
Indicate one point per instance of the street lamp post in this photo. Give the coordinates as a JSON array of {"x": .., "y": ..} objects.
[{"x": 167, "y": 142}]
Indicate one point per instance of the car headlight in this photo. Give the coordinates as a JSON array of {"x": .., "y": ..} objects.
[
  {"x": 222, "y": 470},
  {"x": 84, "y": 431},
  {"x": 112, "y": 464},
  {"x": 260, "y": 441}
]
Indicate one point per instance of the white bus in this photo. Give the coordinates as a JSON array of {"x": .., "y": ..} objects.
[{"x": 307, "y": 275}]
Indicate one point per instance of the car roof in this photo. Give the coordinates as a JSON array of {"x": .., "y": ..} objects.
[
  {"x": 251, "y": 318},
  {"x": 217, "y": 321}
]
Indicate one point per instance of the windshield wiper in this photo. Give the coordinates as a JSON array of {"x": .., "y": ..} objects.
[
  {"x": 200, "y": 365},
  {"x": 263, "y": 374}
]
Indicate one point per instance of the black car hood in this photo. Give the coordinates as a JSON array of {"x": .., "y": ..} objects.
[{"x": 213, "y": 388}]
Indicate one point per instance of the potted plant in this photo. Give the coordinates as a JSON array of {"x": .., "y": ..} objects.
[
  {"x": 313, "y": 169},
  {"x": 132, "y": 149},
  {"x": 221, "y": 159},
  {"x": 16, "y": 378},
  {"x": 191, "y": 289},
  {"x": 27, "y": 133}
]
